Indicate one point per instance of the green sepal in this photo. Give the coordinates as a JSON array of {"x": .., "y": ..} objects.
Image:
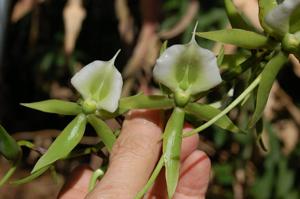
[
  {"x": 207, "y": 112},
  {"x": 172, "y": 139},
  {"x": 64, "y": 143},
  {"x": 238, "y": 37},
  {"x": 8, "y": 146},
  {"x": 265, "y": 6},
  {"x": 55, "y": 106},
  {"x": 142, "y": 101},
  {"x": 31, "y": 177},
  {"x": 103, "y": 131},
  {"x": 268, "y": 76},
  {"x": 235, "y": 18}
]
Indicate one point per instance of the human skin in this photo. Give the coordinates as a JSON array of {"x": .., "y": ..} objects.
[{"x": 132, "y": 160}]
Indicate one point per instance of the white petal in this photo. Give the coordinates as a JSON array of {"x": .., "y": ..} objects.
[
  {"x": 208, "y": 74},
  {"x": 100, "y": 81},
  {"x": 278, "y": 18},
  {"x": 164, "y": 71},
  {"x": 206, "y": 68}
]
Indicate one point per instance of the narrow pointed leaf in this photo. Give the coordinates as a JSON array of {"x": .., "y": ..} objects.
[
  {"x": 265, "y": 6},
  {"x": 171, "y": 149},
  {"x": 207, "y": 112},
  {"x": 235, "y": 18},
  {"x": 220, "y": 56},
  {"x": 8, "y": 146},
  {"x": 31, "y": 177},
  {"x": 268, "y": 77},
  {"x": 64, "y": 143},
  {"x": 55, "y": 106},
  {"x": 241, "y": 38},
  {"x": 103, "y": 131},
  {"x": 163, "y": 47}
]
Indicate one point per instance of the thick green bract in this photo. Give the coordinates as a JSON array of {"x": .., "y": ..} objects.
[
  {"x": 171, "y": 149},
  {"x": 64, "y": 143}
]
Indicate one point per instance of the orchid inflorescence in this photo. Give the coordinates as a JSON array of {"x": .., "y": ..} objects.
[{"x": 186, "y": 73}]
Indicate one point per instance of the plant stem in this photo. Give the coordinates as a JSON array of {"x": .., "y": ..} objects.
[
  {"x": 240, "y": 98},
  {"x": 152, "y": 178},
  {"x": 98, "y": 173}
]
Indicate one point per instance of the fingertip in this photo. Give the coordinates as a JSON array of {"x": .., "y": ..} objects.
[
  {"x": 76, "y": 186},
  {"x": 194, "y": 176}
]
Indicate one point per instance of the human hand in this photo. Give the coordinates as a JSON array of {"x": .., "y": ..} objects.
[{"x": 132, "y": 160}]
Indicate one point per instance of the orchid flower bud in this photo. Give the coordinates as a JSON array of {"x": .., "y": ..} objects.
[
  {"x": 187, "y": 70},
  {"x": 100, "y": 85},
  {"x": 279, "y": 18}
]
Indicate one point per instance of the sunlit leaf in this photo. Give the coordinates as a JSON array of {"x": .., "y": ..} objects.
[
  {"x": 241, "y": 38},
  {"x": 64, "y": 143},
  {"x": 207, "y": 112},
  {"x": 55, "y": 106},
  {"x": 268, "y": 77}
]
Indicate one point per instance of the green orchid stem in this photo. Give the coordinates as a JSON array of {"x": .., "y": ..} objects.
[
  {"x": 251, "y": 87},
  {"x": 152, "y": 178},
  {"x": 10, "y": 172},
  {"x": 98, "y": 173},
  {"x": 26, "y": 143}
]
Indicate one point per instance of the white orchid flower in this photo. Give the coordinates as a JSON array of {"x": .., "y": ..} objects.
[
  {"x": 187, "y": 68},
  {"x": 279, "y": 18},
  {"x": 100, "y": 83}
]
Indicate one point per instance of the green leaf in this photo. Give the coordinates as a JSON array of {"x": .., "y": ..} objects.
[
  {"x": 171, "y": 149},
  {"x": 294, "y": 21},
  {"x": 268, "y": 77},
  {"x": 55, "y": 106},
  {"x": 241, "y": 38},
  {"x": 265, "y": 6},
  {"x": 103, "y": 131},
  {"x": 207, "y": 112},
  {"x": 141, "y": 101},
  {"x": 64, "y": 143},
  {"x": 235, "y": 18},
  {"x": 8, "y": 146},
  {"x": 31, "y": 177}
]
